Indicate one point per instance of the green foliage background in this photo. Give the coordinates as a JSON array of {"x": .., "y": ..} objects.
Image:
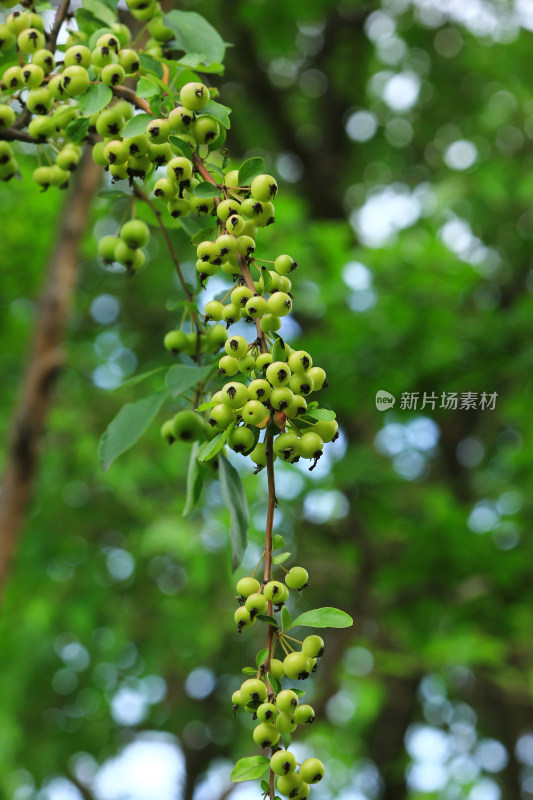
[{"x": 426, "y": 544}]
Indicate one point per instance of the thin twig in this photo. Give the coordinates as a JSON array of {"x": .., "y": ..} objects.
[
  {"x": 61, "y": 13},
  {"x": 269, "y": 452},
  {"x": 131, "y": 97},
  {"x": 12, "y": 134}
]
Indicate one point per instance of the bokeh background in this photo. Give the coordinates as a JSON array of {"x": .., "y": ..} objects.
[{"x": 402, "y": 136}]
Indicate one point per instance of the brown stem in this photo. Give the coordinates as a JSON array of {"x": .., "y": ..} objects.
[
  {"x": 269, "y": 452},
  {"x": 61, "y": 13},
  {"x": 245, "y": 272},
  {"x": 12, "y": 134},
  {"x": 45, "y": 362},
  {"x": 131, "y": 97},
  {"x": 202, "y": 169}
]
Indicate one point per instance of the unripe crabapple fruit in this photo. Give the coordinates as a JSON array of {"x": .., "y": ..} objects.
[
  {"x": 273, "y": 590},
  {"x": 253, "y": 412},
  {"x": 194, "y": 96},
  {"x": 319, "y": 377},
  {"x": 247, "y": 586},
  {"x": 283, "y": 762},
  {"x": 263, "y": 188},
  {"x": 278, "y": 373},
  {"x": 326, "y": 429},
  {"x": 279, "y": 304},
  {"x": 259, "y": 389},
  {"x": 284, "y": 264},
  {"x": 310, "y": 445},
  {"x": 286, "y": 722},
  {"x": 290, "y": 784},
  {"x": 253, "y": 689},
  {"x": 313, "y": 646},
  {"x": 296, "y": 666},
  {"x": 312, "y": 770},
  {"x": 304, "y": 715},
  {"x": 234, "y": 394},
  {"x": 300, "y": 361},
  {"x": 256, "y": 604},
  {"x": 266, "y": 735},
  {"x": 135, "y": 233},
  {"x": 242, "y": 618},
  {"x": 276, "y": 668},
  {"x": 241, "y": 440},
  {"x": 267, "y": 712},
  {"x": 236, "y": 346},
  {"x": 296, "y": 578},
  {"x": 187, "y": 426},
  {"x": 287, "y": 700}
]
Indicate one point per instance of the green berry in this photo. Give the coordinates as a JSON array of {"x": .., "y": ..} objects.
[
  {"x": 301, "y": 384},
  {"x": 267, "y": 712},
  {"x": 39, "y": 101},
  {"x": 296, "y": 666},
  {"x": 313, "y": 646},
  {"x": 205, "y": 130},
  {"x": 312, "y": 770},
  {"x": 128, "y": 60},
  {"x": 221, "y": 416},
  {"x": 7, "y": 116},
  {"x": 241, "y": 440},
  {"x": 181, "y": 119},
  {"x": 286, "y": 722},
  {"x": 102, "y": 56},
  {"x": 166, "y": 189},
  {"x": 235, "y": 224},
  {"x": 310, "y": 445},
  {"x": 167, "y": 431},
  {"x": 236, "y": 346},
  {"x": 109, "y": 122},
  {"x": 242, "y": 618},
  {"x": 175, "y": 341},
  {"x": 247, "y": 586},
  {"x": 234, "y": 395},
  {"x": 135, "y": 233},
  {"x": 300, "y": 361},
  {"x": 231, "y": 314},
  {"x": 259, "y": 389},
  {"x": 137, "y": 146},
  {"x": 225, "y": 209},
  {"x": 285, "y": 445},
  {"x": 256, "y": 604},
  {"x": 283, "y": 762},
  {"x": 264, "y": 188},
  {"x": 267, "y": 217},
  {"x": 236, "y": 698},
  {"x": 284, "y": 264},
  {"x": 194, "y": 96},
  {"x": 319, "y": 377},
  {"x": 270, "y": 323},
  {"x": 115, "y": 152},
  {"x": 266, "y": 735},
  {"x": 245, "y": 246},
  {"x": 256, "y": 306},
  {"x": 296, "y": 578},
  {"x": 113, "y": 75},
  {"x": 30, "y": 40},
  {"x": 180, "y": 168},
  {"x": 246, "y": 364},
  {"x": 281, "y": 398},
  {"x": 263, "y": 360},
  {"x": 278, "y": 373},
  {"x": 45, "y": 60},
  {"x": 273, "y": 590},
  {"x": 297, "y": 407},
  {"x": 253, "y": 689},
  {"x": 276, "y": 668},
  {"x": 228, "y": 366},
  {"x": 304, "y": 715},
  {"x": 254, "y": 412},
  {"x": 32, "y": 75},
  {"x": 226, "y": 244},
  {"x": 258, "y": 454},
  {"x": 290, "y": 784},
  {"x": 216, "y": 337},
  {"x": 12, "y": 78},
  {"x": 279, "y": 304},
  {"x": 188, "y": 426}
]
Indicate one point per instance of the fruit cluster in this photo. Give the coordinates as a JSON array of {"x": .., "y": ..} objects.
[{"x": 278, "y": 710}]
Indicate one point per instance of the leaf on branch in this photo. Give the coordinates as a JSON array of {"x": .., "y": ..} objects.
[
  {"x": 237, "y": 505},
  {"x": 286, "y": 738},
  {"x": 183, "y": 146},
  {"x": 199, "y": 62},
  {"x": 95, "y": 98},
  {"x": 78, "y": 129},
  {"x": 250, "y": 170},
  {"x": 277, "y": 541},
  {"x": 207, "y": 406},
  {"x": 136, "y": 125},
  {"x": 151, "y": 64},
  {"x": 100, "y": 11},
  {"x": 276, "y": 685},
  {"x": 279, "y": 351},
  {"x": 181, "y": 377},
  {"x": 128, "y": 426},
  {"x": 147, "y": 88},
  {"x": 267, "y": 279},
  {"x": 195, "y": 480},
  {"x": 249, "y": 671},
  {"x": 210, "y": 449},
  {"x": 217, "y": 111},
  {"x": 269, "y": 620},
  {"x": 299, "y": 692},
  {"x": 261, "y": 657},
  {"x": 323, "y": 618},
  {"x": 202, "y": 235},
  {"x": 285, "y": 617},
  {"x": 206, "y": 189},
  {"x": 265, "y": 787},
  {"x": 138, "y": 378},
  {"x": 249, "y": 769},
  {"x": 193, "y": 34},
  {"x": 281, "y": 558},
  {"x": 322, "y": 414}
]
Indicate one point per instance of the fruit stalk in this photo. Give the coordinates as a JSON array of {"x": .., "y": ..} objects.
[{"x": 269, "y": 452}]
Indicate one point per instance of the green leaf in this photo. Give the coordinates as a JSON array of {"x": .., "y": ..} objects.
[
  {"x": 285, "y": 617},
  {"x": 147, "y": 88},
  {"x": 322, "y": 414},
  {"x": 281, "y": 558},
  {"x": 113, "y": 194},
  {"x": 151, "y": 64},
  {"x": 217, "y": 111},
  {"x": 249, "y": 769},
  {"x": 265, "y": 787},
  {"x": 206, "y": 189},
  {"x": 299, "y": 692},
  {"x": 95, "y": 98},
  {"x": 250, "y": 170},
  {"x": 249, "y": 671},
  {"x": 100, "y": 11},
  {"x": 181, "y": 377},
  {"x": 277, "y": 541},
  {"x": 195, "y": 480},
  {"x": 136, "y": 125},
  {"x": 78, "y": 129},
  {"x": 269, "y": 620},
  {"x": 198, "y": 61},
  {"x": 86, "y": 22},
  {"x": 279, "y": 351},
  {"x": 138, "y": 378},
  {"x": 261, "y": 657},
  {"x": 128, "y": 426},
  {"x": 207, "y": 406},
  {"x": 210, "y": 449},
  {"x": 195, "y": 35},
  {"x": 286, "y": 739},
  {"x": 276, "y": 685},
  {"x": 323, "y": 618},
  {"x": 237, "y": 505},
  {"x": 201, "y": 235},
  {"x": 267, "y": 279},
  {"x": 183, "y": 146}
]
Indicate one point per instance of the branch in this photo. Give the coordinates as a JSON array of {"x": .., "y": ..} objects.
[
  {"x": 269, "y": 452},
  {"x": 131, "y": 97},
  {"x": 61, "y": 13},
  {"x": 45, "y": 362},
  {"x": 12, "y": 134}
]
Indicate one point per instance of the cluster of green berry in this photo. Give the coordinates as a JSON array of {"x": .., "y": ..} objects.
[{"x": 279, "y": 710}]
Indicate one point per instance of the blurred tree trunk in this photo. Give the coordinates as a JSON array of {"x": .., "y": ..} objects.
[{"x": 45, "y": 361}]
